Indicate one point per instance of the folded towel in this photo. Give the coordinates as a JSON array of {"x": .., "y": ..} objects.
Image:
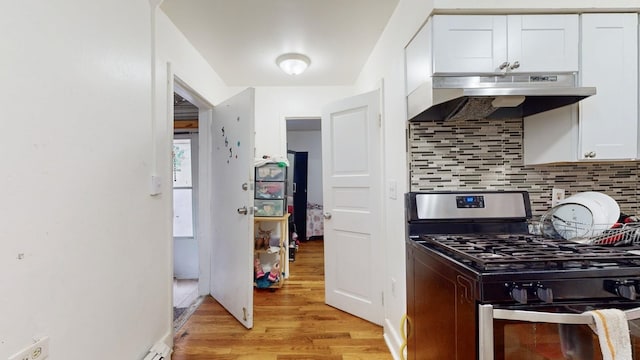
[{"x": 612, "y": 328}]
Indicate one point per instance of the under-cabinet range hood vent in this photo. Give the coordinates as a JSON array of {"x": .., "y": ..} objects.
[{"x": 493, "y": 97}]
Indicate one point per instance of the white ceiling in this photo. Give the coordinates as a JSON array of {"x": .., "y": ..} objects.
[{"x": 242, "y": 38}]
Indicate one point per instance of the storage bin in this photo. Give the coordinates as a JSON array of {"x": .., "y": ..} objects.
[
  {"x": 271, "y": 172},
  {"x": 269, "y": 207},
  {"x": 269, "y": 190}
]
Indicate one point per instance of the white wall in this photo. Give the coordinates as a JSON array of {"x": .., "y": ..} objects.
[
  {"x": 311, "y": 142},
  {"x": 386, "y": 65},
  {"x": 176, "y": 57},
  {"x": 86, "y": 251},
  {"x": 275, "y": 104},
  {"x": 187, "y": 64}
]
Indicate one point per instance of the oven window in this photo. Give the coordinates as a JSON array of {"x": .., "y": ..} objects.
[{"x": 515, "y": 340}]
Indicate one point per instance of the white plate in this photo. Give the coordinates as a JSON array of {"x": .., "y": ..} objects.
[
  {"x": 604, "y": 211},
  {"x": 609, "y": 205},
  {"x": 573, "y": 220}
]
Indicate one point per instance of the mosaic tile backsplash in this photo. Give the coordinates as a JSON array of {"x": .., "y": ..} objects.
[{"x": 488, "y": 155}]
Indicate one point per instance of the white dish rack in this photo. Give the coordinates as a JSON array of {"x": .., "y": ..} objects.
[{"x": 624, "y": 234}]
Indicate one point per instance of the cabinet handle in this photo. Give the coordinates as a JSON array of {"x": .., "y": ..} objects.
[
  {"x": 515, "y": 65},
  {"x": 590, "y": 155},
  {"x": 504, "y": 65},
  {"x": 243, "y": 210},
  {"x": 327, "y": 215}
]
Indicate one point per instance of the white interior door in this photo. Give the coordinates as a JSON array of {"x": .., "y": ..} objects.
[
  {"x": 232, "y": 153},
  {"x": 352, "y": 197}
]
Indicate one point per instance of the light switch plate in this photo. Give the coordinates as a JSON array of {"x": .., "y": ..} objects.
[
  {"x": 393, "y": 189},
  {"x": 156, "y": 185}
]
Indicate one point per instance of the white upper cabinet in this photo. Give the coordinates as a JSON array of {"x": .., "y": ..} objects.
[
  {"x": 495, "y": 44},
  {"x": 603, "y": 127},
  {"x": 609, "y": 119},
  {"x": 469, "y": 43}
]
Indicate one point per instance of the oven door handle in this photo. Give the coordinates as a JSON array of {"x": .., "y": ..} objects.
[
  {"x": 555, "y": 318},
  {"x": 487, "y": 314}
]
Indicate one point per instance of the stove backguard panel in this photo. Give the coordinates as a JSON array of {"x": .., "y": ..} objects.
[{"x": 487, "y": 155}]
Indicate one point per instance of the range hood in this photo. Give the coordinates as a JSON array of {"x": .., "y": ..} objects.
[{"x": 493, "y": 97}]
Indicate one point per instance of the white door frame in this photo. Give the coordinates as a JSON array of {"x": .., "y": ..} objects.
[{"x": 204, "y": 178}]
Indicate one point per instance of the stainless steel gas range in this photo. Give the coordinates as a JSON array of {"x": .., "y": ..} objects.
[{"x": 479, "y": 286}]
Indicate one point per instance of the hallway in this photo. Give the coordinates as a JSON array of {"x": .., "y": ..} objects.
[{"x": 292, "y": 322}]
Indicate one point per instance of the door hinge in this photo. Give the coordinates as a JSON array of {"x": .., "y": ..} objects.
[
  {"x": 382, "y": 296},
  {"x": 379, "y": 120}
]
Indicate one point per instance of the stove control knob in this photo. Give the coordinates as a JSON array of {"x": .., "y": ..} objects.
[
  {"x": 519, "y": 294},
  {"x": 544, "y": 293},
  {"x": 625, "y": 289}
]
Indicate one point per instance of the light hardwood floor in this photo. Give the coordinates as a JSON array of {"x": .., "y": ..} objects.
[{"x": 292, "y": 323}]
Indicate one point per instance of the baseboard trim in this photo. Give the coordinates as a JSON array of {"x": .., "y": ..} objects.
[
  {"x": 167, "y": 339},
  {"x": 392, "y": 339},
  {"x": 162, "y": 349}
]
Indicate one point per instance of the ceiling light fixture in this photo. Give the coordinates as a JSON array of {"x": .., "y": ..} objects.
[{"x": 292, "y": 63}]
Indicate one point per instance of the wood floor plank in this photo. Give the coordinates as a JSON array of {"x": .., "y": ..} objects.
[{"x": 290, "y": 323}]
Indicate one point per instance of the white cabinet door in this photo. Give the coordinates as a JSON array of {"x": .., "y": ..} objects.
[
  {"x": 551, "y": 136},
  {"x": 469, "y": 43},
  {"x": 496, "y": 44},
  {"x": 609, "y": 119},
  {"x": 543, "y": 43}
]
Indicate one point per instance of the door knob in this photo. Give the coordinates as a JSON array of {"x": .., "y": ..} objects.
[
  {"x": 243, "y": 210},
  {"x": 504, "y": 65},
  {"x": 245, "y": 186},
  {"x": 327, "y": 215},
  {"x": 515, "y": 65}
]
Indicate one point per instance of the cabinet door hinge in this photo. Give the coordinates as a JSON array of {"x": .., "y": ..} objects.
[
  {"x": 379, "y": 120},
  {"x": 382, "y": 297}
]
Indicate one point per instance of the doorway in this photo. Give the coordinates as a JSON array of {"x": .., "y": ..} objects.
[
  {"x": 184, "y": 178},
  {"x": 304, "y": 147}
]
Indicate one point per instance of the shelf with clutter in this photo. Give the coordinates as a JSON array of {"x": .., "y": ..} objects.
[
  {"x": 271, "y": 224},
  {"x": 270, "y": 250}
]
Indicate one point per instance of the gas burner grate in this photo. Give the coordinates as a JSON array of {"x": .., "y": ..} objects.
[{"x": 514, "y": 252}]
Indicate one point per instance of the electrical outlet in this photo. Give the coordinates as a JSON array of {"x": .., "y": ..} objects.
[
  {"x": 37, "y": 351},
  {"x": 556, "y": 196}
]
